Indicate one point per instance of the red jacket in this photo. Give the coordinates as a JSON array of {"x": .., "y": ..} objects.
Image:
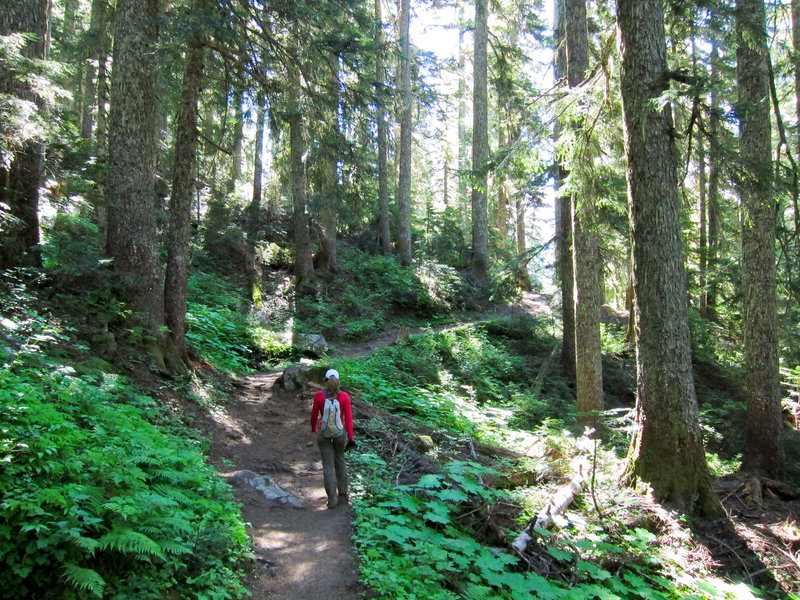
[{"x": 319, "y": 406}]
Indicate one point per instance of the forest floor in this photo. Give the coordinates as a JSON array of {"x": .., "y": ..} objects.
[
  {"x": 300, "y": 553},
  {"x": 304, "y": 553}
]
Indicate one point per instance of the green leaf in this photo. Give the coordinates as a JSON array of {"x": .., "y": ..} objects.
[
  {"x": 593, "y": 571},
  {"x": 559, "y": 554},
  {"x": 398, "y": 533},
  {"x": 130, "y": 541},
  {"x": 84, "y": 579},
  {"x": 87, "y": 543},
  {"x": 430, "y": 481},
  {"x": 453, "y": 495},
  {"x": 709, "y": 589},
  {"x": 436, "y": 517}
]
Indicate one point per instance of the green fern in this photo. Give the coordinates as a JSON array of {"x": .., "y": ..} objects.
[
  {"x": 122, "y": 506},
  {"x": 86, "y": 543},
  {"x": 123, "y": 539},
  {"x": 84, "y": 579},
  {"x": 174, "y": 547}
]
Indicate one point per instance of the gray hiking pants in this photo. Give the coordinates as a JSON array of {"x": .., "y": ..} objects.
[{"x": 334, "y": 469}]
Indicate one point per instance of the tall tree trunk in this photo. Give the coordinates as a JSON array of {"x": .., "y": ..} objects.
[
  {"x": 563, "y": 219},
  {"x": 406, "y": 136},
  {"x": 384, "y": 216},
  {"x": 254, "y": 210},
  {"x": 630, "y": 331},
  {"x": 97, "y": 20},
  {"x": 502, "y": 193},
  {"x": 101, "y": 124},
  {"x": 463, "y": 142},
  {"x": 522, "y": 264},
  {"x": 180, "y": 204},
  {"x": 480, "y": 143},
  {"x": 101, "y": 120},
  {"x": 68, "y": 30},
  {"x": 763, "y": 451},
  {"x": 252, "y": 263},
  {"x": 702, "y": 185},
  {"x": 796, "y": 69},
  {"x": 326, "y": 260},
  {"x": 19, "y": 182},
  {"x": 303, "y": 266},
  {"x": 238, "y": 135},
  {"x": 587, "y": 267},
  {"x": 666, "y": 407},
  {"x": 132, "y": 234},
  {"x": 713, "y": 196}
]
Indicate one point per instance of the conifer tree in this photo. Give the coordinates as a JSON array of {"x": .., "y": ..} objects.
[
  {"x": 480, "y": 143},
  {"x": 406, "y": 123},
  {"x": 587, "y": 269},
  {"x": 763, "y": 451},
  {"x": 667, "y": 423},
  {"x": 132, "y": 234},
  {"x": 21, "y": 178}
]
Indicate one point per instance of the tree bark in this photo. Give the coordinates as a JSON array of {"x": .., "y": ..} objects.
[
  {"x": 713, "y": 196},
  {"x": 522, "y": 264},
  {"x": 19, "y": 182},
  {"x": 502, "y": 193},
  {"x": 587, "y": 268},
  {"x": 480, "y": 144},
  {"x": 326, "y": 259},
  {"x": 132, "y": 233},
  {"x": 254, "y": 210},
  {"x": 796, "y": 69},
  {"x": 463, "y": 142},
  {"x": 303, "y": 266},
  {"x": 384, "y": 217},
  {"x": 702, "y": 186},
  {"x": 666, "y": 407},
  {"x": 406, "y": 134},
  {"x": 97, "y": 24},
  {"x": 238, "y": 136},
  {"x": 563, "y": 219},
  {"x": 763, "y": 451},
  {"x": 180, "y": 204}
]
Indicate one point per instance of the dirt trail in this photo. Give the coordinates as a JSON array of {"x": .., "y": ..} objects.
[{"x": 301, "y": 553}]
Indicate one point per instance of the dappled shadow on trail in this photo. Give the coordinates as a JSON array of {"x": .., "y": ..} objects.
[
  {"x": 263, "y": 430},
  {"x": 300, "y": 553}
]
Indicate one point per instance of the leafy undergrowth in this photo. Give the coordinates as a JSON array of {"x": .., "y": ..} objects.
[
  {"x": 376, "y": 293},
  {"x": 442, "y": 492},
  {"x": 223, "y": 333},
  {"x": 103, "y": 493}
]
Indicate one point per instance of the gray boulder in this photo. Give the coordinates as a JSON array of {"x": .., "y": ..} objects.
[
  {"x": 296, "y": 377},
  {"x": 267, "y": 486},
  {"x": 311, "y": 343}
]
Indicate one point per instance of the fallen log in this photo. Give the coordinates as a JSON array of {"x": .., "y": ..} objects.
[{"x": 564, "y": 496}]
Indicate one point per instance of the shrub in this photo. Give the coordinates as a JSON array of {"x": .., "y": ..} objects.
[
  {"x": 97, "y": 500},
  {"x": 377, "y": 292}
]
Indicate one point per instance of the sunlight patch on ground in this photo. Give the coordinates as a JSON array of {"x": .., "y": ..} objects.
[
  {"x": 203, "y": 397},
  {"x": 494, "y": 422}
]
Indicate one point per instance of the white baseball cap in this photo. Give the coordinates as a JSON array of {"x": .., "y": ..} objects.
[{"x": 332, "y": 374}]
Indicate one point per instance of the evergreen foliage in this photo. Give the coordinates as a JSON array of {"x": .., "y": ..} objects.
[{"x": 103, "y": 493}]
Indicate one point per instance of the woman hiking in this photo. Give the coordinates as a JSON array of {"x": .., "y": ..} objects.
[{"x": 332, "y": 426}]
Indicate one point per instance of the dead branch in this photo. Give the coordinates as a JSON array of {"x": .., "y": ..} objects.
[{"x": 563, "y": 497}]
